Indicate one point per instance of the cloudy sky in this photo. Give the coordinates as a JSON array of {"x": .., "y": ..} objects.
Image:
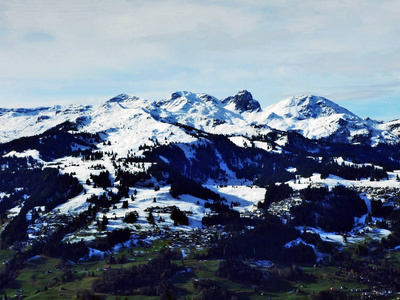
[{"x": 87, "y": 51}]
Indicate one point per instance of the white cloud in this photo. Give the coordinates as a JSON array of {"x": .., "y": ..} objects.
[
  {"x": 107, "y": 34},
  {"x": 72, "y": 49}
]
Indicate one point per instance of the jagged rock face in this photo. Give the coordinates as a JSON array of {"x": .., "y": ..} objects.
[
  {"x": 118, "y": 98},
  {"x": 243, "y": 102}
]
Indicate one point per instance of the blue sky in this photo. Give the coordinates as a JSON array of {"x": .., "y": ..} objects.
[{"x": 87, "y": 51}]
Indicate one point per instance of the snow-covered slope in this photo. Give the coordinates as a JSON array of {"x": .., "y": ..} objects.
[
  {"x": 309, "y": 107},
  {"x": 129, "y": 123},
  {"x": 17, "y": 123},
  {"x": 319, "y": 118},
  {"x": 392, "y": 126}
]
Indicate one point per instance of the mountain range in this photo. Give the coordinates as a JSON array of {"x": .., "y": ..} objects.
[{"x": 313, "y": 117}]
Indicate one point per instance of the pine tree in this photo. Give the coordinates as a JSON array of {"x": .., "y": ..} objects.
[{"x": 150, "y": 218}]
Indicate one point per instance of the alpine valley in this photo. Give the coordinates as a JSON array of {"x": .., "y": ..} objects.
[{"x": 192, "y": 197}]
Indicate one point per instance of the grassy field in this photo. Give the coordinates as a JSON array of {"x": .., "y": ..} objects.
[
  {"x": 4, "y": 256},
  {"x": 42, "y": 278}
]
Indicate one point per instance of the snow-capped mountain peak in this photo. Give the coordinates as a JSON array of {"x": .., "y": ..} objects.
[
  {"x": 198, "y": 110},
  {"x": 184, "y": 101},
  {"x": 316, "y": 118},
  {"x": 120, "y": 100},
  {"x": 309, "y": 106},
  {"x": 242, "y": 102}
]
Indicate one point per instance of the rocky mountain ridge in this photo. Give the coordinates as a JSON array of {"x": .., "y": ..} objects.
[{"x": 313, "y": 117}]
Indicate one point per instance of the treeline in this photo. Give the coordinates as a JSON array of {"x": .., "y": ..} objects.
[
  {"x": 13, "y": 163},
  {"x": 46, "y": 187},
  {"x": 210, "y": 289},
  {"x": 129, "y": 179},
  {"x": 181, "y": 185},
  {"x": 14, "y": 172},
  {"x": 151, "y": 279},
  {"x": 113, "y": 238},
  {"x": 102, "y": 180},
  {"x": 393, "y": 240},
  {"x": 237, "y": 271},
  {"x": 52, "y": 246},
  {"x": 179, "y": 217},
  {"x": 323, "y": 208},
  {"x": 208, "y": 155},
  {"x": 275, "y": 193},
  {"x": 221, "y": 215},
  {"x": 54, "y": 143},
  {"x": 204, "y": 165},
  {"x": 266, "y": 241},
  {"x": 306, "y": 166},
  {"x": 109, "y": 198},
  {"x": 384, "y": 155},
  {"x": 89, "y": 155},
  {"x": 262, "y": 167}
]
